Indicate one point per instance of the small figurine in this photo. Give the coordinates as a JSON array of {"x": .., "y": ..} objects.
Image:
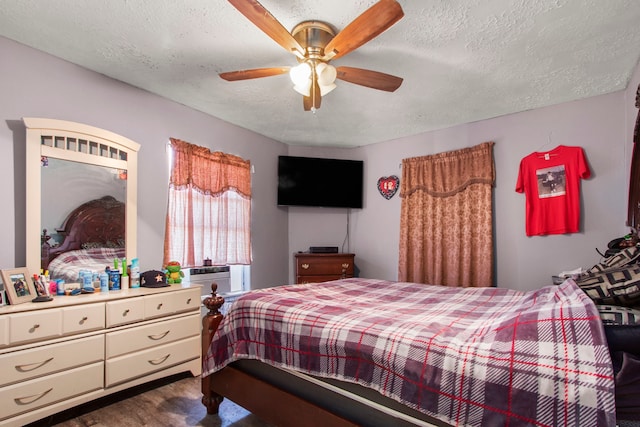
[{"x": 174, "y": 272}]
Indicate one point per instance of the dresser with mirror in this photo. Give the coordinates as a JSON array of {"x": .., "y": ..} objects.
[{"x": 61, "y": 353}]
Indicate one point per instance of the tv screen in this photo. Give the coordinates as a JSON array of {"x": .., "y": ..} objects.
[{"x": 312, "y": 181}]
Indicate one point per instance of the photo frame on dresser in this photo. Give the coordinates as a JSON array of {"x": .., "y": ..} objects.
[{"x": 18, "y": 285}]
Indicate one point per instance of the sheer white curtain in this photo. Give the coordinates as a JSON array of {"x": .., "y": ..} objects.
[{"x": 209, "y": 207}]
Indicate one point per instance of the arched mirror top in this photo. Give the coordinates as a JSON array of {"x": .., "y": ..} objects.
[{"x": 59, "y": 142}]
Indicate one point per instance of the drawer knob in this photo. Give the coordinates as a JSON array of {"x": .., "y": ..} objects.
[
  {"x": 159, "y": 306},
  {"x": 189, "y": 301},
  {"x": 84, "y": 319},
  {"x": 160, "y": 360},
  {"x": 34, "y": 327},
  {"x": 124, "y": 314},
  {"x": 304, "y": 266},
  {"x": 32, "y": 366},
  {"x": 27, "y": 400},
  {"x": 158, "y": 336}
]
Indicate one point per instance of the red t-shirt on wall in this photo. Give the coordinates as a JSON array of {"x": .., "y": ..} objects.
[{"x": 551, "y": 183}]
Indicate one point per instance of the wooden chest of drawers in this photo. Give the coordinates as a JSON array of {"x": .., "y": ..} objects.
[
  {"x": 314, "y": 268},
  {"x": 66, "y": 352}
]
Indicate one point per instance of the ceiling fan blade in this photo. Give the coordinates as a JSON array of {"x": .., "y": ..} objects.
[
  {"x": 307, "y": 103},
  {"x": 314, "y": 100},
  {"x": 368, "y": 78},
  {"x": 254, "y": 74},
  {"x": 262, "y": 18},
  {"x": 365, "y": 27},
  {"x": 317, "y": 97}
]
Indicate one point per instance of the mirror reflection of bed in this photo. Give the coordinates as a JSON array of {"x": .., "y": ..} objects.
[{"x": 92, "y": 236}]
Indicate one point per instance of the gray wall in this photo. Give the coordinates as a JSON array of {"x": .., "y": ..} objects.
[
  {"x": 602, "y": 125},
  {"x": 35, "y": 84}
]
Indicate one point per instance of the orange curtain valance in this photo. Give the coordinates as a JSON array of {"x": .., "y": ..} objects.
[
  {"x": 192, "y": 167},
  {"x": 448, "y": 173}
]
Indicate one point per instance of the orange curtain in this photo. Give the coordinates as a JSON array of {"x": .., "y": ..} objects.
[
  {"x": 209, "y": 207},
  {"x": 446, "y": 225}
]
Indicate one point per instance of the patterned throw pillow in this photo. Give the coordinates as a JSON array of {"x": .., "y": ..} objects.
[
  {"x": 616, "y": 286},
  {"x": 623, "y": 258},
  {"x": 621, "y": 327},
  {"x": 614, "y": 315}
]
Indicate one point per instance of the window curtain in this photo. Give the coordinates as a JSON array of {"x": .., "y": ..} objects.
[
  {"x": 633, "y": 208},
  {"x": 209, "y": 207},
  {"x": 446, "y": 225}
]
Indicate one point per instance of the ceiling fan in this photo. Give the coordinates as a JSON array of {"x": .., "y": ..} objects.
[{"x": 315, "y": 44}]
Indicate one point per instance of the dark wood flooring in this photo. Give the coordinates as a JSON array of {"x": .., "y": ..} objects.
[{"x": 173, "y": 401}]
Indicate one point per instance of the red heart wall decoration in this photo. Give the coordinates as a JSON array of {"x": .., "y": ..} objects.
[{"x": 388, "y": 185}]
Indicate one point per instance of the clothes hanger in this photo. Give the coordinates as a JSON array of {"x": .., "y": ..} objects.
[{"x": 546, "y": 154}]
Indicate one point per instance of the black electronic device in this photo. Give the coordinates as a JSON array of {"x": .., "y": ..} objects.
[
  {"x": 320, "y": 182},
  {"x": 323, "y": 249}
]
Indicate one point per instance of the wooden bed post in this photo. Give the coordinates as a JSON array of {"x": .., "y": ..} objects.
[{"x": 210, "y": 323}]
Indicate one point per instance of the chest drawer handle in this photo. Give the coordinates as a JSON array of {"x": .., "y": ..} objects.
[
  {"x": 32, "y": 366},
  {"x": 124, "y": 313},
  {"x": 189, "y": 301},
  {"x": 159, "y": 307},
  {"x": 34, "y": 327},
  {"x": 304, "y": 266},
  {"x": 27, "y": 400},
  {"x": 160, "y": 360},
  {"x": 158, "y": 336}
]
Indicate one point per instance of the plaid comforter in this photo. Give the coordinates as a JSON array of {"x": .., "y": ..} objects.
[
  {"x": 467, "y": 356},
  {"x": 67, "y": 266}
]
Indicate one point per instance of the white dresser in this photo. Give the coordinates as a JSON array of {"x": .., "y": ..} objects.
[{"x": 59, "y": 354}]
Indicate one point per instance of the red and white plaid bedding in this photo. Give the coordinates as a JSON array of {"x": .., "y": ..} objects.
[
  {"x": 67, "y": 265},
  {"x": 467, "y": 356}
]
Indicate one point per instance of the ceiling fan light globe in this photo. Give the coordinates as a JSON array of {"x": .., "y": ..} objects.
[
  {"x": 303, "y": 89},
  {"x": 300, "y": 74},
  {"x": 325, "y": 89},
  {"x": 326, "y": 74}
]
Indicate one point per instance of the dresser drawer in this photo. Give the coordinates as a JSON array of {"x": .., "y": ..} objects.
[
  {"x": 158, "y": 305},
  {"x": 139, "y": 338},
  {"x": 125, "y": 311},
  {"x": 134, "y": 365},
  {"x": 35, "y": 325},
  {"x": 4, "y": 331},
  {"x": 29, "y": 395},
  {"x": 318, "y": 279},
  {"x": 83, "y": 318},
  {"x": 187, "y": 300},
  {"x": 39, "y": 361},
  {"x": 324, "y": 264}
]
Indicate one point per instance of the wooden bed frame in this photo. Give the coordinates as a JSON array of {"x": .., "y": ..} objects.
[
  {"x": 100, "y": 221},
  {"x": 268, "y": 402}
]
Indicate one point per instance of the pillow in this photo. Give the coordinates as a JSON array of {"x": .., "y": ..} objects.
[
  {"x": 623, "y": 258},
  {"x": 617, "y": 286},
  {"x": 621, "y": 327},
  {"x": 92, "y": 245},
  {"x": 615, "y": 315}
]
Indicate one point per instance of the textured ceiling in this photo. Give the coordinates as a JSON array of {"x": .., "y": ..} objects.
[{"x": 461, "y": 60}]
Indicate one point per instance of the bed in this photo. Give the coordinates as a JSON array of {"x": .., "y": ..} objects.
[
  {"x": 93, "y": 234},
  {"x": 374, "y": 352}
]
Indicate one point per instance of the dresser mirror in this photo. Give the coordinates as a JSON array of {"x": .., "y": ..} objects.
[{"x": 68, "y": 165}]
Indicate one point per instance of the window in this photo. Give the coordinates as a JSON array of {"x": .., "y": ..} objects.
[{"x": 209, "y": 207}]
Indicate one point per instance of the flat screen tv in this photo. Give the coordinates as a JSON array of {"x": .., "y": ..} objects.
[{"x": 313, "y": 181}]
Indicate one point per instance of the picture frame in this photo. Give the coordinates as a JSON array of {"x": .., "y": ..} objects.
[{"x": 18, "y": 285}]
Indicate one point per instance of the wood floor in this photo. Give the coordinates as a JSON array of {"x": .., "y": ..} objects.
[{"x": 174, "y": 401}]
